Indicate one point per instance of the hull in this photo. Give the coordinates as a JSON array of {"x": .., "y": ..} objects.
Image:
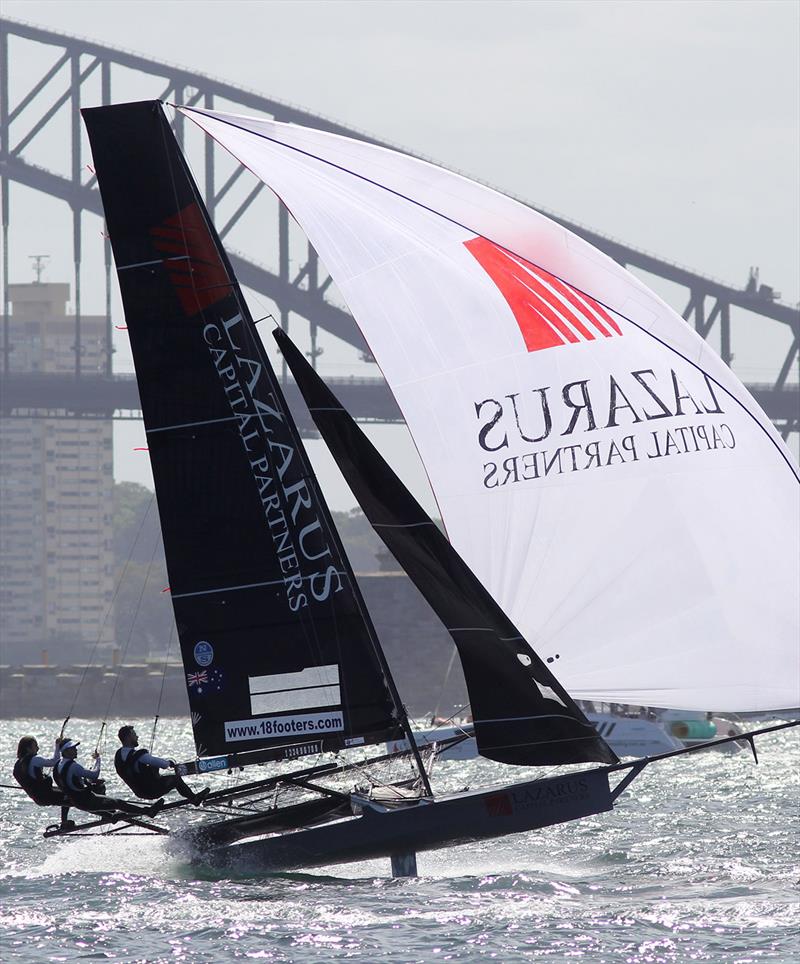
[{"x": 422, "y": 825}]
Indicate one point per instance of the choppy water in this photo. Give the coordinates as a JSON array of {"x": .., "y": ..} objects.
[{"x": 699, "y": 862}]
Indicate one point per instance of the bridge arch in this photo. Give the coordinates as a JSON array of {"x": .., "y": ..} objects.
[{"x": 81, "y": 72}]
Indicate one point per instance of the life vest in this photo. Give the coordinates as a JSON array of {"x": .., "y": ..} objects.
[
  {"x": 60, "y": 771},
  {"x": 38, "y": 785},
  {"x": 143, "y": 778},
  {"x": 61, "y": 776}
]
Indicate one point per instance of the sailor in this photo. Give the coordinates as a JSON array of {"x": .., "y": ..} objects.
[
  {"x": 28, "y": 772},
  {"x": 86, "y": 790},
  {"x": 139, "y": 769}
]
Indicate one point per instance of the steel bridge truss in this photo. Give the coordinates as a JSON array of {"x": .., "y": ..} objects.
[{"x": 76, "y": 65}]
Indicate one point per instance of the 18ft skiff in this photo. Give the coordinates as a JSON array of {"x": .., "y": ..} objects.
[{"x": 589, "y": 454}]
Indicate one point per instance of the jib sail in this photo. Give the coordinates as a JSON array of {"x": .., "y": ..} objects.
[
  {"x": 522, "y": 714},
  {"x": 276, "y": 642}
]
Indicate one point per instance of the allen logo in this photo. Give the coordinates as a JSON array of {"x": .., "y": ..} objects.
[
  {"x": 548, "y": 311},
  {"x": 216, "y": 763},
  {"x": 192, "y": 260}
]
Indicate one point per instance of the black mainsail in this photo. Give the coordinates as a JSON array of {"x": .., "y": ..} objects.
[
  {"x": 522, "y": 714},
  {"x": 277, "y": 644}
]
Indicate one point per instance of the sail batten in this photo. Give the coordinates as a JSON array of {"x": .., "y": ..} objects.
[{"x": 260, "y": 583}]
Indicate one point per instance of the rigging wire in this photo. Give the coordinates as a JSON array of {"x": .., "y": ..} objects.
[
  {"x": 100, "y": 737},
  {"x": 454, "y": 719},
  {"x": 444, "y": 683},
  {"x": 156, "y": 544},
  {"x": 376, "y": 781},
  {"x": 161, "y": 692},
  {"x": 109, "y": 610}
]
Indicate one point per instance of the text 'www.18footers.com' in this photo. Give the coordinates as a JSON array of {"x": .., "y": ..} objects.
[{"x": 267, "y": 727}]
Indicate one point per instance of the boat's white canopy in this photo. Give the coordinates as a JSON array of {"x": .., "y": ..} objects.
[{"x": 602, "y": 471}]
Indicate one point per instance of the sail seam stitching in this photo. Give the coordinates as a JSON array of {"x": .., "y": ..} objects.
[
  {"x": 211, "y": 421},
  {"x": 478, "y": 629},
  {"x": 401, "y": 525},
  {"x": 146, "y": 264},
  {"x": 249, "y": 585},
  {"x": 543, "y": 716},
  {"x": 511, "y": 746}
]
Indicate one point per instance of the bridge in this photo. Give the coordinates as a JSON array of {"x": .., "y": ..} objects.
[{"x": 81, "y": 72}]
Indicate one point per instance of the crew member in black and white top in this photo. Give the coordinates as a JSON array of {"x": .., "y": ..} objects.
[
  {"x": 139, "y": 769},
  {"x": 81, "y": 786},
  {"x": 29, "y": 774}
]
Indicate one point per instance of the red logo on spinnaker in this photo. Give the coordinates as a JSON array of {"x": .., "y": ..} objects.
[
  {"x": 549, "y": 312},
  {"x": 193, "y": 262}
]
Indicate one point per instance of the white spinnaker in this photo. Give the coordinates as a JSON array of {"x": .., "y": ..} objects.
[{"x": 601, "y": 470}]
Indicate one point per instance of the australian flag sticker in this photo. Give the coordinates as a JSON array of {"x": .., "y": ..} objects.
[{"x": 206, "y": 682}]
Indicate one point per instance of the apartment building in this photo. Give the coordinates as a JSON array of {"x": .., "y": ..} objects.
[{"x": 56, "y": 489}]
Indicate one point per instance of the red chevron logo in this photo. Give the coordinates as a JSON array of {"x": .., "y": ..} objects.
[
  {"x": 549, "y": 312},
  {"x": 192, "y": 260}
]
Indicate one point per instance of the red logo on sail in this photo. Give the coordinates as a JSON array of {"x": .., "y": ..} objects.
[
  {"x": 192, "y": 260},
  {"x": 549, "y": 312}
]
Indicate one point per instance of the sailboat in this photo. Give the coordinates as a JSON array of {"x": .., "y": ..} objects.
[{"x": 281, "y": 657}]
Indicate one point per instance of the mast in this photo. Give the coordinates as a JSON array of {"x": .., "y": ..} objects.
[{"x": 409, "y": 733}]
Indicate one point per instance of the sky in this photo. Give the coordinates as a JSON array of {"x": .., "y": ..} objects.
[{"x": 672, "y": 126}]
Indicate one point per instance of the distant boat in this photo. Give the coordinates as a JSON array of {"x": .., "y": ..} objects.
[
  {"x": 469, "y": 300},
  {"x": 628, "y": 734}
]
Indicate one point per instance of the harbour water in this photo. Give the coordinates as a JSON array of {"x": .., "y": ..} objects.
[{"x": 700, "y": 861}]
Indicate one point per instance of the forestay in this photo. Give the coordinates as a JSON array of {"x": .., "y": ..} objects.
[
  {"x": 604, "y": 474},
  {"x": 277, "y": 645}
]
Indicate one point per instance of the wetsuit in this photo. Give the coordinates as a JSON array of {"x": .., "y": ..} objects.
[
  {"x": 29, "y": 775},
  {"x": 139, "y": 769},
  {"x": 76, "y": 782}
]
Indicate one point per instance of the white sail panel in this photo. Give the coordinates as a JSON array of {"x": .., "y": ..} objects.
[{"x": 605, "y": 475}]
